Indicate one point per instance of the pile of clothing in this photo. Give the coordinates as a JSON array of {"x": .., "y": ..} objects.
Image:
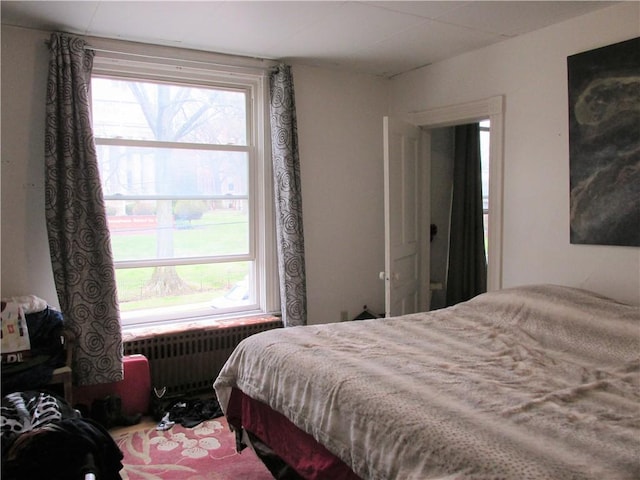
[
  {"x": 188, "y": 412},
  {"x": 44, "y": 437},
  {"x": 39, "y": 333}
]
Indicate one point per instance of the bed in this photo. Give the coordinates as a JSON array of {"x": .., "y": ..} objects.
[{"x": 534, "y": 382}]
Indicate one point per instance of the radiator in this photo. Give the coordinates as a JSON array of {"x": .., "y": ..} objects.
[{"x": 189, "y": 362}]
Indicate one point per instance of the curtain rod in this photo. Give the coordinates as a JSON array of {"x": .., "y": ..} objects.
[{"x": 201, "y": 62}]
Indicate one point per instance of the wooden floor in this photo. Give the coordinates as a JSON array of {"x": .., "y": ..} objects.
[{"x": 146, "y": 422}]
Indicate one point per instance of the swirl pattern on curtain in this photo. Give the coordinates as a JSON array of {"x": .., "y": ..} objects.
[
  {"x": 79, "y": 240},
  {"x": 288, "y": 197}
]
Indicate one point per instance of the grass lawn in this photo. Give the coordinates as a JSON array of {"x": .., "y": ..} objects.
[{"x": 218, "y": 232}]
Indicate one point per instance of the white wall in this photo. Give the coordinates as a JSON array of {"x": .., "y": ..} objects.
[
  {"x": 26, "y": 265},
  {"x": 340, "y": 136},
  {"x": 442, "y": 151},
  {"x": 531, "y": 72}
]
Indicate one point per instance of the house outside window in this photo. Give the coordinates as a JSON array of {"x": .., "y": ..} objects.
[{"x": 187, "y": 191}]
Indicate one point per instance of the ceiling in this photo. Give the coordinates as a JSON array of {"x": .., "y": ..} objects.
[{"x": 383, "y": 38}]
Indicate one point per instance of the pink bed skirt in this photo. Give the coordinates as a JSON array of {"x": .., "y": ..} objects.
[{"x": 297, "y": 448}]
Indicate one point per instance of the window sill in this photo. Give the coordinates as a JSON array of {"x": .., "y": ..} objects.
[{"x": 130, "y": 334}]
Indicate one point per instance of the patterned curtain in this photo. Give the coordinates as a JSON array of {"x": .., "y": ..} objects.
[
  {"x": 288, "y": 197},
  {"x": 79, "y": 240},
  {"x": 467, "y": 273}
]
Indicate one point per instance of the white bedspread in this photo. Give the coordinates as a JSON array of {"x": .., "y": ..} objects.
[{"x": 536, "y": 382}]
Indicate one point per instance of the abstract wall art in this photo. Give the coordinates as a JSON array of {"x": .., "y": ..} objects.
[{"x": 604, "y": 145}]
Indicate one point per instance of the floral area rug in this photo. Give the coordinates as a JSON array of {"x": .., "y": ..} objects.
[{"x": 204, "y": 452}]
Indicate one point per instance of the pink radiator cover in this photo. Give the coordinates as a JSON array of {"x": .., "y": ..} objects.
[{"x": 134, "y": 390}]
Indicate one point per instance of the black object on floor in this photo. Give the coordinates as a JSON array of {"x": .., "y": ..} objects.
[
  {"x": 191, "y": 412},
  {"x": 107, "y": 412}
]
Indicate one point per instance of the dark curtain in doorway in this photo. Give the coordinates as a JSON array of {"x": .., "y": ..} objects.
[{"x": 467, "y": 272}]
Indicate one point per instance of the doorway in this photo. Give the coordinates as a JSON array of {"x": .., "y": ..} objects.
[
  {"x": 441, "y": 185},
  {"x": 492, "y": 109}
]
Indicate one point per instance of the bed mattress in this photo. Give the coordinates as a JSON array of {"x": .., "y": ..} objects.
[{"x": 538, "y": 382}]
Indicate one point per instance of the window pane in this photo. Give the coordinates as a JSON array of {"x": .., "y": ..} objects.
[
  {"x": 172, "y": 113},
  {"x": 485, "y": 137},
  {"x": 177, "y": 170},
  {"x": 484, "y": 156},
  {"x": 154, "y": 229},
  {"x": 174, "y": 172},
  {"x": 202, "y": 288}
]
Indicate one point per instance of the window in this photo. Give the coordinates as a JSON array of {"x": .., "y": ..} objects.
[
  {"x": 485, "y": 129},
  {"x": 182, "y": 168}
]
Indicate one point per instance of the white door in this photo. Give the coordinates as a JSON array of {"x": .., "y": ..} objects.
[{"x": 406, "y": 209}]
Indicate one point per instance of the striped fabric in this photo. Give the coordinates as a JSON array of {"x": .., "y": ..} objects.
[{"x": 538, "y": 382}]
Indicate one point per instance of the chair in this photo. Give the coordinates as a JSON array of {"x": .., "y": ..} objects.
[{"x": 47, "y": 358}]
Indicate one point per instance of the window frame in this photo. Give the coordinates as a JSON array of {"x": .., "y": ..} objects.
[{"x": 261, "y": 248}]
